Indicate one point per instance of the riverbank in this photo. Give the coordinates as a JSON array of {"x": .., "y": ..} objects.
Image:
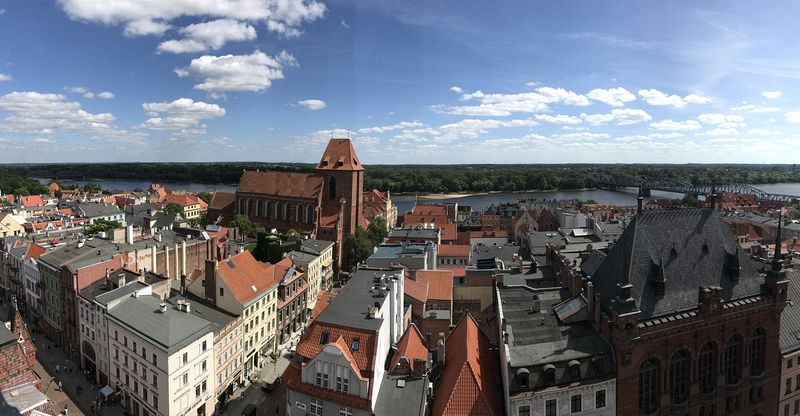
[{"x": 458, "y": 195}]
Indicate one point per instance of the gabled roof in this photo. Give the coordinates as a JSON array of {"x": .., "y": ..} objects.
[
  {"x": 454, "y": 250},
  {"x": 411, "y": 346},
  {"x": 180, "y": 199},
  {"x": 449, "y": 232},
  {"x": 416, "y": 289},
  {"x": 590, "y": 264},
  {"x": 339, "y": 155},
  {"x": 470, "y": 372},
  {"x": 440, "y": 283},
  {"x": 246, "y": 277},
  {"x": 790, "y": 317},
  {"x": 324, "y": 299},
  {"x": 686, "y": 249},
  {"x": 289, "y": 184},
  {"x": 34, "y": 251},
  {"x": 222, "y": 200},
  {"x": 311, "y": 343},
  {"x": 32, "y": 201}
]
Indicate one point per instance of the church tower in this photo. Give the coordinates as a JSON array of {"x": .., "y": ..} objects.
[{"x": 344, "y": 182}]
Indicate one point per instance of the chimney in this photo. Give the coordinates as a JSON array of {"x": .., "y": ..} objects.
[
  {"x": 213, "y": 250},
  {"x": 713, "y": 196},
  {"x": 639, "y": 201},
  {"x": 187, "y": 307},
  {"x": 440, "y": 352},
  {"x": 211, "y": 281},
  {"x": 163, "y": 307},
  {"x": 129, "y": 234},
  {"x": 121, "y": 279},
  {"x": 183, "y": 284}
]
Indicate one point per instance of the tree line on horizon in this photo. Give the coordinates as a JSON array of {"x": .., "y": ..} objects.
[{"x": 409, "y": 178}]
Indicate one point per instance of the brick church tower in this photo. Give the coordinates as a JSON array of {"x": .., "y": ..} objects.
[{"x": 344, "y": 182}]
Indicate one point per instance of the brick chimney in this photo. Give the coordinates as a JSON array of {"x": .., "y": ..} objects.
[{"x": 211, "y": 281}]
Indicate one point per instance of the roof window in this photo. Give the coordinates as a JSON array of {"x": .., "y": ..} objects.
[{"x": 324, "y": 338}]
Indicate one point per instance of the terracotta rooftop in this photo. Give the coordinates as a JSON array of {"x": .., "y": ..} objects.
[
  {"x": 242, "y": 273},
  {"x": 489, "y": 234},
  {"x": 287, "y": 184},
  {"x": 454, "y": 250},
  {"x": 467, "y": 381},
  {"x": 429, "y": 210},
  {"x": 32, "y": 201},
  {"x": 449, "y": 232},
  {"x": 180, "y": 199},
  {"x": 323, "y": 300},
  {"x": 411, "y": 345},
  {"x": 416, "y": 289},
  {"x": 34, "y": 251},
  {"x": 339, "y": 155},
  {"x": 222, "y": 200},
  {"x": 311, "y": 344},
  {"x": 440, "y": 283}
]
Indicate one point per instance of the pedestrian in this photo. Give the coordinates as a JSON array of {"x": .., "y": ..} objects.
[
  {"x": 60, "y": 386},
  {"x": 66, "y": 410}
]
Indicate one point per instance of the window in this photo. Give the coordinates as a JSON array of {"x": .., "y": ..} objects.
[
  {"x": 203, "y": 389},
  {"x": 325, "y": 380},
  {"x": 732, "y": 403},
  {"x": 154, "y": 359},
  {"x": 757, "y": 349},
  {"x": 144, "y": 394},
  {"x": 185, "y": 358},
  {"x": 550, "y": 407},
  {"x": 706, "y": 368},
  {"x": 204, "y": 347},
  {"x": 355, "y": 344},
  {"x": 316, "y": 407},
  {"x": 318, "y": 380},
  {"x": 345, "y": 385},
  {"x": 575, "y": 403},
  {"x": 600, "y": 399},
  {"x": 789, "y": 362},
  {"x": 185, "y": 379},
  {"x": 345, "y": 411},
  {"x": 648, "y": 386},
  {"x": 197, "y": 391},
  {"x": 155, "y": 380},
  {"x": 134, "y": 347},
  {"x": 733, "y": 359},
  {"x": 338, "y": 384},
  {"x": 155, "y": 402},
  {"x": 797, "y": 406},
  {"x": 203, "y": 366},
  {"x": 524, "y": 411},
  {"x": 221, "y": 292},
  {"x": 788, "y": 386},
  {"x": 679, "y": 377}
]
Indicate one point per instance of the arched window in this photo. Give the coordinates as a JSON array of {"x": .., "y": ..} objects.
[
  {"x": 265, "y": 209},
  {"x": 679, "y": 376},
  {"x": 707, "y": 368},
  {"x": 252, "y": 208},
  {"x": 257, "y": 212},
  {"x": 733, "y": 359},
  {"x": 757, "y": 349},
  {"x": 285, "y": 211},
  {"x": 648, "y": 386},
  {"x": 332, "y": 189}
]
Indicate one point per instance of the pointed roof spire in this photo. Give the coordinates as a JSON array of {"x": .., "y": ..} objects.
[
  {"x": 713, "y": 196},
  {"x": 639, "y": 200},
  {"x": 776, "y": 259}
]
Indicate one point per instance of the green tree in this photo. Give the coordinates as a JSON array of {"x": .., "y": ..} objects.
[
  {"x": 92, "y": 188},
  {"x": 100, "y": 226},
  {"x": 195, "y": 222},
  {"x": 376, "y": 231},
  {"x": 357, "y": 247},
  {"x": 172, "y": 208},
  {"x": 205, "y": 196},
  {"x": 22, "y": 192},
  {"x": 244, "y": 224}
]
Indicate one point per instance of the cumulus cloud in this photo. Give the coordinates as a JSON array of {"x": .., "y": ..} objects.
[
  {"x": 183, "y": 116},
  {"x": 5, "y": 77},
  {"x": 752, "y": 108},
  {"x": 655, "y": 97},
  {"x": 507, "y": 104},
  {"x": 456, "y": 89},
  {"x": 723, "y": 132},
  {"x": 106, "y": 95},
  {"x": 615, "y": 97},
  {"x": 793, "y": 117},
  {"x": 212, "y": 35},
  {"x": 676, "y": 125},
  {"x": 623, "y": 117},
  {"x": 399, "y": 126},
  {"x": 558, "y": 119},
  {"x": 87, "y": 93},
  {"x": 772, "y": 95},
  {"x": 228, "y": 73},
  {"x": 725, "y": 121},
  {"x": 38, "y": 113},
  {"x": 152, "y": 17},
  {"x": 312, "y": 105}
]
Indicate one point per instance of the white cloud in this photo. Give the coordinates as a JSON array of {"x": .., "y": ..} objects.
[
  {"x": 696, "y": 99},
  {"x": 209, "y": 35},
  {"x": 184, "y": 116},
  {"x": 721, "y": 119},
  {"x": 762, "y": 132},
  {"x": 723, "y": 132},
  {"x": 507, "y": 104},
  {"x": 676, "y": 125},
  {"x": 145, "y": 27},
  {"x": 623, "y": 116},
  {"x": 456, "y": 89},
  {"x": 5, "y": 77},
  {"x": 663, "y": 136},
  {"x": 399, "y": 126},
  {"x": 558, "y": 119},
  {"x": 88, "y": 94},
  {"x": 312, "y": 105},
  {"x": 76, "y": 90},
  {"x": 43, "y": 140},
  {"x": 772, "y": 95},
  {"x": 793, "y": 117},
  {"x": 656, "y": 97},
  {"x": 615, "y": 97},
  {"x": 344, "y": 24},
  {"x": 533, "y": 83},
  {"x": 106, "y": 95},
  {"x": 581, "y": 136},
  {"x": 146, "y": 17},
  {"x": 752, "y": 108},
  {"x": 228, "y": 73},
  {"x": 41, "y": 113}
]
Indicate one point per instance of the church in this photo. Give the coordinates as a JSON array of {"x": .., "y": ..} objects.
[{"x": 326, "y": 204}]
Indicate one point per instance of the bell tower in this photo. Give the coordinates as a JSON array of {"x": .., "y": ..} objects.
[{"x": 343, "y": 182}]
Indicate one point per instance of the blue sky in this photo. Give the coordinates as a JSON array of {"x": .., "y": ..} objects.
[{"x": 408, "y": 81}]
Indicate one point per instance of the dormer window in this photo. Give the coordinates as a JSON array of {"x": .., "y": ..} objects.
[
  {"x": 575, "y": 369},
  {"x": 324, "y": 338},
  {"x": 522, "y": 377},
  {"x": 549, "y": 374},
  {"x": 355, "y": 344}
]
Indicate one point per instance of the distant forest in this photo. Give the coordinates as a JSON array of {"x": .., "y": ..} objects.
[{"x": 421, "y": 178}]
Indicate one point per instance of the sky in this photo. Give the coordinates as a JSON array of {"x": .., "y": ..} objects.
[{"x": 409, "y": 81}]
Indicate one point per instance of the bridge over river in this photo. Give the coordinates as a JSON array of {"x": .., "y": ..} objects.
[{"x": 670, "y": 185}]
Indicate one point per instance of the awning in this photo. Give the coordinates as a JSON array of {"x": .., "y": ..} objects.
[{"x": 106, "y": 391}]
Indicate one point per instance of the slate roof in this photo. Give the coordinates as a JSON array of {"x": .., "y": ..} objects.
[
  {"x": 590, "y": 264},
  {"x": 339, "y": 155},
  {"x": 349, "y": 308},
  {"x": 470, "y": 371},
  {"x": 172, "y": 330},
  {"x": 288, "y": 184},
  {"x": 313, "y": 246},
  {"x": 691, "y": 245},
  {"x": 96, "y": 210},
  {"x": 790, "y": 318},
  {"x": 408, "y": 400}
]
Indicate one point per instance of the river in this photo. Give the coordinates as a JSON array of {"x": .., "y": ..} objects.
[{"x": 625, "y": 196}]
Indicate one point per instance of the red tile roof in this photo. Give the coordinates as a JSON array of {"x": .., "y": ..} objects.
[
  {"x": 416, "y": 289},
  {"x": 222, "y": 200},
  {"x": 66, "y": 211},
  {"x": 32, "y": 201},
  {"x": 489, "y": 234},
  {"x": 454, "y": 250},
  {"x": 292, "y": 378},
  {"x": 457, "y": 271},
  {"x": 246, "y": 274},
  {"x": 411, "y": 345},
  {"x": 34, "y": 251},
  {"x": 324, "y": 299},
  {"x": 466, "y": 387},
  {"x": 424, "y": 209},
  {"x": 53, "y": 186},
  {"x": 180, "y": 199},
  {"x": 409, "y": 220},
  {"x": 290, "y": 184},
  {"x": 449, "y": 232},
  {"x": 309, "y": 345},
  {"x": 440, "y": 283},
  {"x": 17, "y": 359},
  {"x": 339, "y": 155}
]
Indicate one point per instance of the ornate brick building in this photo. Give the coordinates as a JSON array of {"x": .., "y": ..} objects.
[{"x": 694, "y": 326}]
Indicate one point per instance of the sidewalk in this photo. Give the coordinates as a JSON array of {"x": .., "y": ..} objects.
[{"x": 47, "y": 358}]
